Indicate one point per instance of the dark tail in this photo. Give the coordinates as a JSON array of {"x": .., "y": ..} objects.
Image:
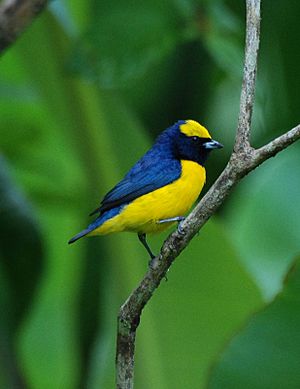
[
  {"x": 80, "y": 235},
  {"x": 95, "y": 224}
]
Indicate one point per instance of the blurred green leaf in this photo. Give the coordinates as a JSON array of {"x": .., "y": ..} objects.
[
  {"x": 266, "y": 353},
  {"x": 120, "y": 269},
  {"x": 227, "y": 53},
  {"x": 125, "y": 39},
  {"x": 223, "y": 39},
  {"x": 279, "y": 45},
  {"x": 265, "y": 205},
  {"x": 22, "y": 262},
  {"x": 50, "y": 169},
  {"x": 21, "y": 256},
  {"x": 67, "y": 141},
  {"x": 206, "y": 286},
  {"x": 48, "y": 346}
]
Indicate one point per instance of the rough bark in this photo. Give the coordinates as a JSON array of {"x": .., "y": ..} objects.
[{"x": 243, "y": 160}]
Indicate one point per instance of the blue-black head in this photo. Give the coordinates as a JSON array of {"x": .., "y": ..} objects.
[{"x": 189, "y": 140}]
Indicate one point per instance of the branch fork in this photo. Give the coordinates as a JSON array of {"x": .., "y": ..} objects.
[
  {"x": 15, "y": 16},
  {"x": 243, "y": 160}
]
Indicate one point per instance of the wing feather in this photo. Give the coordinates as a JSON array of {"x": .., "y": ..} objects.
[{"x": 147, "y": 175}]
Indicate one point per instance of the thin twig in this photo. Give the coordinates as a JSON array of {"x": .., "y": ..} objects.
[
  {"x": 278, "y": 144},
  {"x": 15, "y": 16},
  {"x": 242, "y": 141},
  {"x": 243, "y": 160}
]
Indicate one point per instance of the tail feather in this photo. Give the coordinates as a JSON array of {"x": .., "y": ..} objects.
[
  {"x": 80, "y": 235},
  {"x": 97, "y": 223}
]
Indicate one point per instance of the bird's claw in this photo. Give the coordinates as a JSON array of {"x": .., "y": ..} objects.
[{"x": 180, "y": 228}]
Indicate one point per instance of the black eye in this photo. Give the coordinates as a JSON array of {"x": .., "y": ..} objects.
[{"x": 195, "y": 138}]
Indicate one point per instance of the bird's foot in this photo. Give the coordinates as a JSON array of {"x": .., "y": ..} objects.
[{"x": 180, "y": 228}]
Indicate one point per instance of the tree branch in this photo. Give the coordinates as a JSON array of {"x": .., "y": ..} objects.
[
  {"x": 249, "y": 75},
  {"x": 278, "y": 144},
  {"x": 15, "y": 16},
  {"x": 243, "y": 160}
]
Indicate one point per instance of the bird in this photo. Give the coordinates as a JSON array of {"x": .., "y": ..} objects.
[{"x": 160, "y": 188}]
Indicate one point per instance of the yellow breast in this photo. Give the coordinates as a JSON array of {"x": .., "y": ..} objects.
[{"x": 169, "y": 201}]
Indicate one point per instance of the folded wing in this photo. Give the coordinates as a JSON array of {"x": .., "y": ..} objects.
[{"x": 147, "y": 175}]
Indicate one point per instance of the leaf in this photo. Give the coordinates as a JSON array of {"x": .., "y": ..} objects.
[
  {"x": 223, "y": 39},
  {"x": 265, "y": 206},
  {"x": 47, "y": 346},
  {"x": 125, "y": 39},
  {"x": 21, "y": 256},
  {"x": 20, "y": 246},
  {"x": 206, "y": 298},
  {"x": 120, "y": 266},
  {"x": 266, "y": 353}
]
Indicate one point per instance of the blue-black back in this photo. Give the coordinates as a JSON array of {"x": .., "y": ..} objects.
[{"x": 157, "y": 168}]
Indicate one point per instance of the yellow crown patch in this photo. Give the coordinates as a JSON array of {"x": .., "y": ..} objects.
[{"x": 193, "y": 128}]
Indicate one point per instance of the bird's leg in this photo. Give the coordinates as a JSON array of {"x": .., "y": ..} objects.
[
  {"x": 142, "y": 238},
  {"x": 171, "y": 219},
  {"x": 178, "y": 219}
]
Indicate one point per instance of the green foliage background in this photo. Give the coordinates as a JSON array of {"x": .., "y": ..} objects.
[{"x": 83, "y": 93}]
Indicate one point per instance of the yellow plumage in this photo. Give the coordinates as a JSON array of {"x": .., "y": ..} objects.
[
  {"x": 169, "y": 201},
  {"x": 193, "y": 128},
  {"x": 160, "y": 188}
]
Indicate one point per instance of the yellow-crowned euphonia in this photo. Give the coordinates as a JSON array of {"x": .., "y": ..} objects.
[{"x": 160, "y": 188}]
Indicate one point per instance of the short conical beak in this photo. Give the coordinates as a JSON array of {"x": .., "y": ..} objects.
[{"x": 212, "y": 144}]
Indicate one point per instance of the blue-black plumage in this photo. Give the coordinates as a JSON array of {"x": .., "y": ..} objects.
[{"x": 160, "y": 186}]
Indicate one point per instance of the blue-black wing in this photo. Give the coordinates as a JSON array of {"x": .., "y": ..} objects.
[{"x": 148, "y": 174}]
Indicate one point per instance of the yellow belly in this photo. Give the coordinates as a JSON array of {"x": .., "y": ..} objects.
[{"x": 169, "y": 201}]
